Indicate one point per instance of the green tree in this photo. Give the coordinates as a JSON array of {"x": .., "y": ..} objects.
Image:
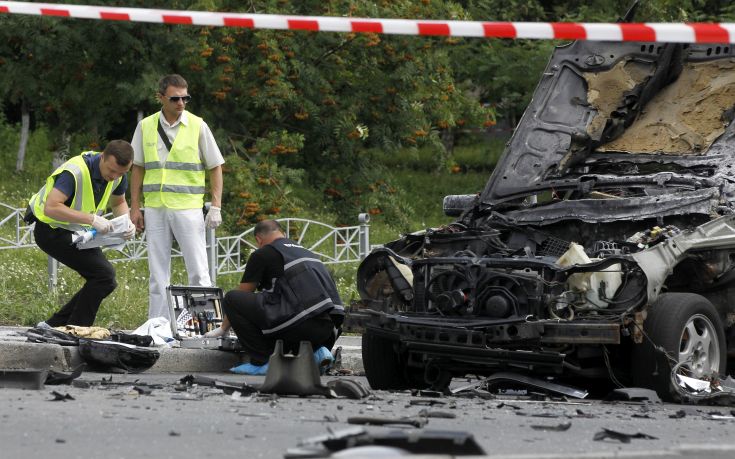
[{"x": 341, "y": 93}]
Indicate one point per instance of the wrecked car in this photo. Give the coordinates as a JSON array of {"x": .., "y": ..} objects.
[{"x": 602, "y": 246}]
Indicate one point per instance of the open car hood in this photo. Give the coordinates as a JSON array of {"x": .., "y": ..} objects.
[{"x": 621, "y": 126}]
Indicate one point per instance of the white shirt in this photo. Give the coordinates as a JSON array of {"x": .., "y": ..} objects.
[{"x": 209, "y": 153}]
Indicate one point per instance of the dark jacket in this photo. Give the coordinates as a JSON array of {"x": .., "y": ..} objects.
[{"x": 306, "y": 290}]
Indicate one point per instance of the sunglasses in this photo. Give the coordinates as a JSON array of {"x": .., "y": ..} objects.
[{"x": 176, "y": 99}]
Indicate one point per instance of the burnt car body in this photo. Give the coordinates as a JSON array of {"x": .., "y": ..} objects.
[{"x": 603, "y": 244}]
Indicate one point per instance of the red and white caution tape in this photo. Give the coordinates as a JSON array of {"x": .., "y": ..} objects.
[{"x": 661, "y": 32}]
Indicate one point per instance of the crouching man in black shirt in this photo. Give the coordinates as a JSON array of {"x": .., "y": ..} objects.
[{"x": 296, "y": 301}]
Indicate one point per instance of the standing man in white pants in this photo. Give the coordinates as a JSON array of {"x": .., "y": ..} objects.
[{"x": 174, "y": 151}]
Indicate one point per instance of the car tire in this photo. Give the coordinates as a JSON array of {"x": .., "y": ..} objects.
[
  {"x": 383, "y": 364},
  {"x": 688, "y": 327}
]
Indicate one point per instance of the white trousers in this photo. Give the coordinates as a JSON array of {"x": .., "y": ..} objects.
[{"x": 162, "y": 225}]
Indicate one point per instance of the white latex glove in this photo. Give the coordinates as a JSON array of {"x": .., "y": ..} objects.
[
  {"x": 129, "y": 232},
  {"x": 216, "y": 333},
  {"x": 101, "y": 224},
  {"x": 214, "y": 217}
]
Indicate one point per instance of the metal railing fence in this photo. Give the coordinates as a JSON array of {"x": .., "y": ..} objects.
[{"x": 226, "y": 254}]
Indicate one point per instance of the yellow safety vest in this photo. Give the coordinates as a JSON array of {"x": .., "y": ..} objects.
[
  {"x": 177, "y": 183},
  {"x": 83, "y": 199}
]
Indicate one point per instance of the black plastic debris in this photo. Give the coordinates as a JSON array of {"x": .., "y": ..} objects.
[
  {"x": 131, "y": 338},
  {"x": 417, "y": 422},
  {"x": 426, "y": 393},
  {"x": 294, "y": 374},
  {"x": 581, "y": 414},
  {"x": 563, "y": 427},
  {"x": 437, "y": 414},
  {"x": 509, "y": 379},
  {"x": 325, "y": 418},
  {"x": 608, "y": 434},
  {"x": 507, "y": 405},
  {"x": 450, "y": 443},
  {"x": 634, "y": 394},
  {"x": 143, "y": 390},
  {"x": 112, "y": 356},
  {"x": 22, "y": 379},
  {"x": 227, "y": 388},
  {"x": 678, "y": 415},
  {"x": 429, "y": 402},
  {"x": 55, "y": 378},
  {"x": 59, "y": 397},
  {"x": 348, "y": 388},
  {"x": 52, "y": 336}
]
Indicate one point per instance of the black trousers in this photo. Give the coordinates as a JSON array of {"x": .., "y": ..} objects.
[
  {"x": 241, "y": 306},
  {"x": 91, "y": 264}
]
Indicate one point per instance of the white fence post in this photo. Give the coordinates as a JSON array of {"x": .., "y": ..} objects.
[
  {"x": 53, "y": 273},
  {"x": 364, "y": 247}
]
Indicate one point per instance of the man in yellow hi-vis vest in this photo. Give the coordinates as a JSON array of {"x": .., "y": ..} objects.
[
  {"x": 74, "y": 198},
  {"x": 174, "y": 151}
]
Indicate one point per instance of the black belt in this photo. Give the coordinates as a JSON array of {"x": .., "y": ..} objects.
[{"x": 29, "y": 217}]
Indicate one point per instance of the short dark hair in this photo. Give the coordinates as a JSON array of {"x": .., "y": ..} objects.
[
  {"x": 266, "y": 227},
  {"x": 171, "y": 80},
  {"x": 121, "y": 150}
]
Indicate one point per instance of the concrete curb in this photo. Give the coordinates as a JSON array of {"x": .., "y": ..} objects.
[{"x": 17, "y": 353}]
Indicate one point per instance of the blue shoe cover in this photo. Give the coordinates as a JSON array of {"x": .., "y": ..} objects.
[
  {"x": 323, "y": 358},
  {"x": 250, "y": 369}
]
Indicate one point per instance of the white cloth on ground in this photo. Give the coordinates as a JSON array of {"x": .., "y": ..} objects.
[{"x": 159, "y": 328}]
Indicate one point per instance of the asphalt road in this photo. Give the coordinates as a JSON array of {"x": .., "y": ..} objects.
[{"x": 117, "y": 421}]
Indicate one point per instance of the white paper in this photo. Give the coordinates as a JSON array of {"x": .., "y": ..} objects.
[
  {"x": 114, "y": 239},
  {"x": 694, "y": 384}
]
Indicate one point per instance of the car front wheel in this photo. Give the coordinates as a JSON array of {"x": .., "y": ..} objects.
[{"x": 680, "y": 328}]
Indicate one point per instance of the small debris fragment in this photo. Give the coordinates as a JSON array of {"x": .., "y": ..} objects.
[
  {"x": 437, "y": 414},
  {"x": 60, "y": 397},
  {"x": 508, "y": 405},
  {"x": 60, "y": 440},
  {"x": 186, "y": 396},
  {"x": 143, "y": 390},
  {"x": 362, "y": 420},
  {"x": 634, "y": 394},
  {"x": 173, "y": 433},
  {"x": 57, "y": 377},
  {"x": 678, "y": 415},
  {"x": 426, "y": 402},
  {"x": 426, "y": 393},
  {"x": 621, "y": 436},
  {"x": 564, "y": 426}
]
